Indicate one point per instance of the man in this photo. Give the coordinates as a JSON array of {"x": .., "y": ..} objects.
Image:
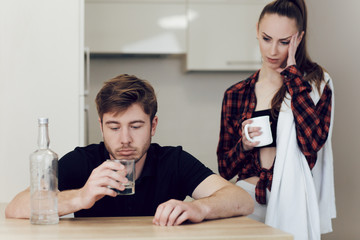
[{"x": 127, "y": 109}]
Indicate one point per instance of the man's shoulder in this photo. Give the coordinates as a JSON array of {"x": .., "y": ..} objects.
[
  {"x": 170, "y": 155},
  {"x": 173, "y": 161},
  {"x": 173, "y": 156},
  {"x": 164, "y": 152},
  {"x": 87, "y": 152}
]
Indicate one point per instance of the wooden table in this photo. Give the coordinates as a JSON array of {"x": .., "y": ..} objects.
[{"x": 136, "y": 228}]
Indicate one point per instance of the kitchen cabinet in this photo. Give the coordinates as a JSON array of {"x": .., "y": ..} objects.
[
  {"x": 136, "y": 26},
  {"x": 41, "y": 75},
  {"x": 222, "y": 34}
]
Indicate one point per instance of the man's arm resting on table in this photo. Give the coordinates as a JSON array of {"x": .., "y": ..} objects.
[
  {"x": 68, "y": 202},
  {"x": 214, "y": 198},
  {"x": 221, "y": 198}
]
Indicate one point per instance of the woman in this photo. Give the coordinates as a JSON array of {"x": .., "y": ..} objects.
[{"x": 297, "y": 95}]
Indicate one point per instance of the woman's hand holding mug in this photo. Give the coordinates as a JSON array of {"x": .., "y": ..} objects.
[
  {"x": 252, "y": 132},
  {"x": 256, "y": 132}
]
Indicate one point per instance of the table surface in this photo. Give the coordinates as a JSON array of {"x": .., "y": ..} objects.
[{"x": 136, "y": 228}]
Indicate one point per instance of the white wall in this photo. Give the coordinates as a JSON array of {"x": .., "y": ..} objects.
[
  {"x": 334, "y": 37},
  {"x": 40, "y": 71},
  {"x": 189, "y": 103}
]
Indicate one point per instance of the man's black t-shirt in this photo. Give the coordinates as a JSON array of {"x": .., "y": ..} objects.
[{"x": 168, "y": 173}]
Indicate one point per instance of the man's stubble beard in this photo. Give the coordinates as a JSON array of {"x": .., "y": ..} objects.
[{"x": 137, "y": 159}]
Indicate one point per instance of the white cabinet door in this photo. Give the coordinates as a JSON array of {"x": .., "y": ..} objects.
[
  {"x": 41, "y": 69},
  {"x": 136, "y": 26},
  {"x": 222, "y": 34}
]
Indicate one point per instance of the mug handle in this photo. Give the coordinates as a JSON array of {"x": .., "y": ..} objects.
[{"x": 246, "y": 129}]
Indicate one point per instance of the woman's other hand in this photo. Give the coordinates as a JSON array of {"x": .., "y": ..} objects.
[{"x": 293, "y": 45}]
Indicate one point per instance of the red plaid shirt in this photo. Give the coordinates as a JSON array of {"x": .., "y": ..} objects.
[{"x": 312, "y": 127}]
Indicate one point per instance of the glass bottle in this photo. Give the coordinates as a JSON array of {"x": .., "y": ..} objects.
[{"x": 43, "y": 180}]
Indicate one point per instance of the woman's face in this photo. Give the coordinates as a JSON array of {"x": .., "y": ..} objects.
[{"x": 274, "y": 33}]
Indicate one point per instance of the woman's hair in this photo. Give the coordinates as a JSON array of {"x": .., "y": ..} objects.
[
  {"x": 295, "y": 9},
  {"x": 121, "y": 92}
]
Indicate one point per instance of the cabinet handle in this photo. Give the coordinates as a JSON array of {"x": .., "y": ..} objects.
[
  {"x": 86, "y": 123},
  {"x": 87, "y": 71}
]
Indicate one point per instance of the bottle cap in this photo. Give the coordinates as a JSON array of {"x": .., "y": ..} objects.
[{"x": 43, "y": 120}]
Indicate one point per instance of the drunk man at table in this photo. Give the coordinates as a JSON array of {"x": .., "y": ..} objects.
[{"x": 127, "y": 109}]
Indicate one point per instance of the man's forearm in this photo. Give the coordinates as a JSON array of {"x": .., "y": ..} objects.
[
  {"x": 228, "y": 201},
  {"x": 68, "y": 202}
]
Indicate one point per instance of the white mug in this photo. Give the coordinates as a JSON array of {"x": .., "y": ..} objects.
[{"x": 264, "y": 123}]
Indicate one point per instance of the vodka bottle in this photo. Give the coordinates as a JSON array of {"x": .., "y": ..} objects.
[{"x": 43, "y": 180}]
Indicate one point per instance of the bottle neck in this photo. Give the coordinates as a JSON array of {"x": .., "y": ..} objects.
[{"x": 43, "y": 137}]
